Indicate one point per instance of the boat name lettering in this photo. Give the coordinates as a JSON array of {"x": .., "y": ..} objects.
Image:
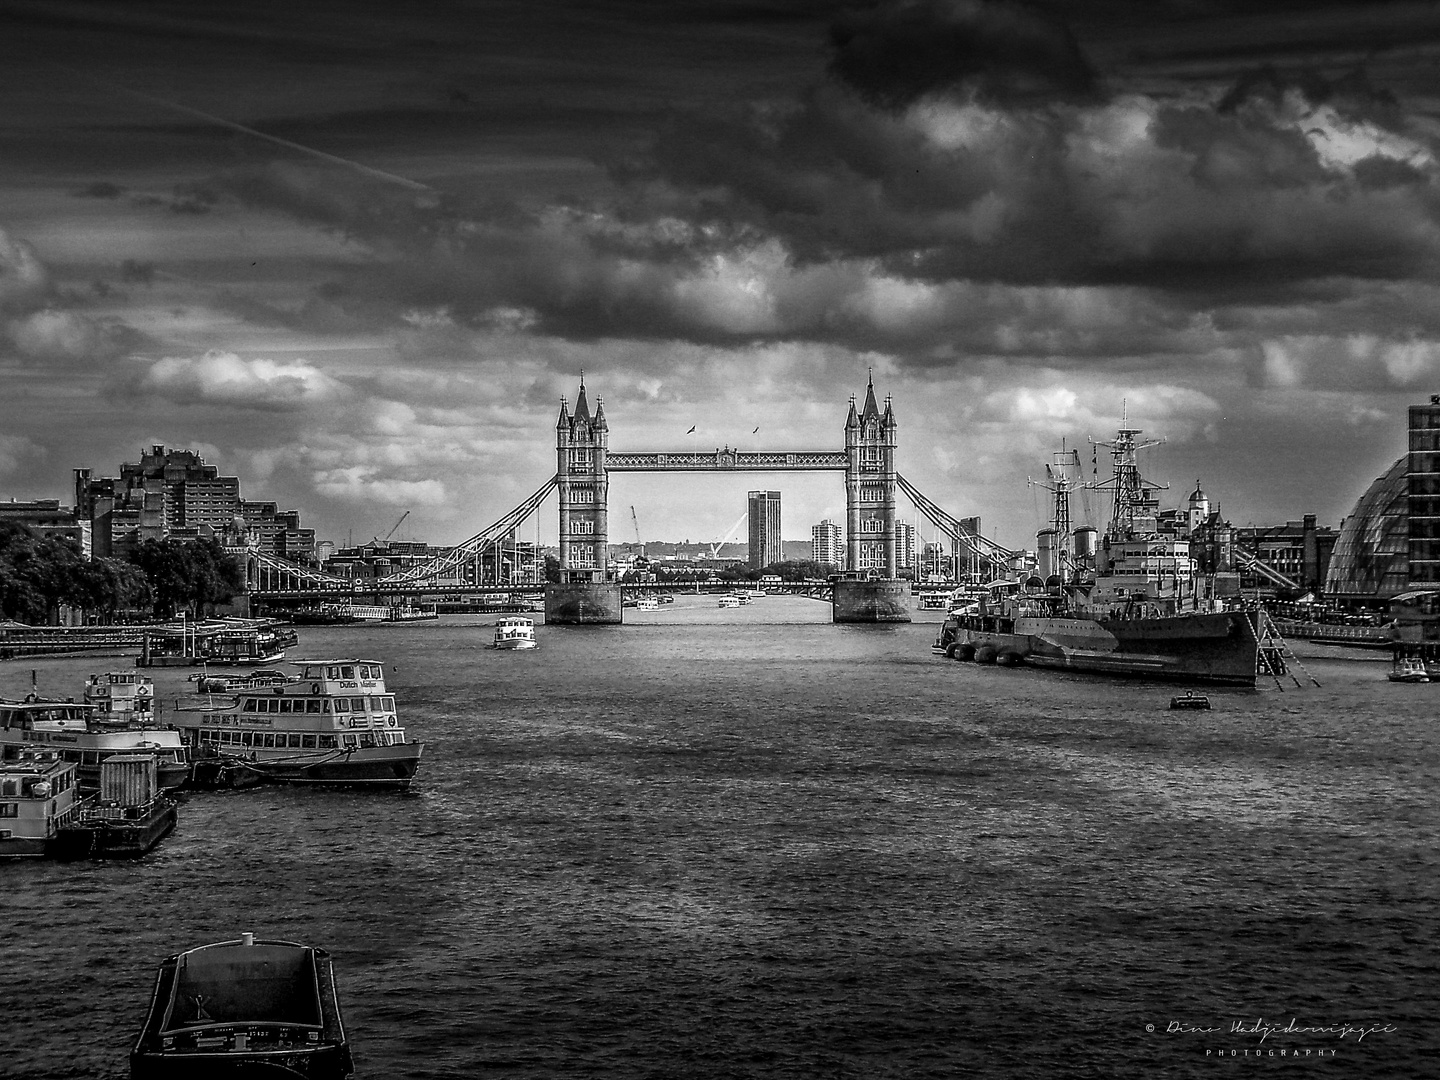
[{"x": 348, "y": 683}]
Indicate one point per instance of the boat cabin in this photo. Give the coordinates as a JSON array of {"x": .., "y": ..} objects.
[{"x": 38, "y": 792}]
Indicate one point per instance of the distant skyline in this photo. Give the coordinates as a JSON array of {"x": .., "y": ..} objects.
[{"x": 356, "y": 253}]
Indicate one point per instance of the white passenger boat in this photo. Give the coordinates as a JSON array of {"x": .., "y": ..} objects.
[
  {"x": 647, "y": 603},
  {"x": 122, "y": 697},
  {"x": 733, "y": 601},
  {"x": 78, "y": 733},
  {"x": 1409, "y": 669},
  {"x": 335, "y": 727},
  {"x": 514, "y": 632},
  {"x": 39, "y": 795}
]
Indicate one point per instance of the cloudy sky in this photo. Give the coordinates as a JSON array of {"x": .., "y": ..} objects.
[{"x": 356, "y": 252}]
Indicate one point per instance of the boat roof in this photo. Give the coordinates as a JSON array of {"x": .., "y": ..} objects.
[
  {"x": 339, "y": 660},
  {"x": 46, "y": 703}
]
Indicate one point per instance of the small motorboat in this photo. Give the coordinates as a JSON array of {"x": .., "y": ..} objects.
[
  {"x": 1409, "y": 669},
  {"x": 244, "y": 1008},
  {"x": 1190, "y": 700},
  {"x": 515, "y": 632}
]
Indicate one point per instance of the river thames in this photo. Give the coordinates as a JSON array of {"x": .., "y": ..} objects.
[{"x": 747, "y": 843}]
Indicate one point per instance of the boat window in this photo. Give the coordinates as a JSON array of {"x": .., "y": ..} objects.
[
  {"x": 325, "y": 704},
  {"x": 294, "y": 739},
  {"x": 9, "y": 787},
  {"x": 227, "y": 736},
  {"x": 347, "y": 672},
  {"x": 307, "y": 742},
  {"x": 388, "y": 704},
  {"x": 270, "y": 740},
  {"x": 357, "y": 704},
  {"x": 352, "y": 741},
  {"x": 9, "y": 809},
  {"x": 248, "y": 704},
  {"x": 342, "y": 704},
  {"x": 246, "y": 738},
  {"x": 327, "y": 742},
  {"x": 275, "y": 704},
  {"x": 332, "y": 672},
  {"x": 312, "y": 705}
]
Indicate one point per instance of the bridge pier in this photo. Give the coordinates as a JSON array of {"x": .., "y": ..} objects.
[
  {"x": 877, "y": 601},
  {"x": 583, "y": 603}
]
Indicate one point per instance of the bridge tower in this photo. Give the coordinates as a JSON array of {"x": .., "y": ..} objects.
[
  {"x": 871, "y": 590},
  {"x": 581, "y": 443},
  {"x": 870, "y": 438},
  {"x": 584, "y": 593}
]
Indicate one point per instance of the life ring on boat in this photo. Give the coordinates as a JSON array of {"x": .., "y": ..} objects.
[
  {"x": 390, "y": 720},
  {"x": 314, "y": 687}
]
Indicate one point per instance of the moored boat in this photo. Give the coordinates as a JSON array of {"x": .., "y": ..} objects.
[
  {"x": 647, "y": 603},
  {"x": 75, "y": 731},
  {"x": 244, "y": 1008},
  {"x": 125, "y": 697},
  {"x": 1136, "y": 607},
  {"x": 731, "y": 600},
  {"x": 128, "y": 817},
  {"x": 336, "y": 726},
  {"x": 39, "y": 795},
  {"x": 514, "y": 632}
]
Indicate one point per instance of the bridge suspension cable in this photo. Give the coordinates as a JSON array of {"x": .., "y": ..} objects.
[
  {"x": 987, "y": 550},
  {"x": 463, "y": 553}
]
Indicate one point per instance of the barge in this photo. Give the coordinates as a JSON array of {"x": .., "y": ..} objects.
[{"x": 244, "y": 1008}]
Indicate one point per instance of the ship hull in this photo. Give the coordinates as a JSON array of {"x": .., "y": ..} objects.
[
  {"x": 1219, "y": 648},
  {"x": 369, "y": 767}
]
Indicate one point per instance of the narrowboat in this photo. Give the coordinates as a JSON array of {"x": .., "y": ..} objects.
[
  {"x": 39, "y": 794},
  {"x": 336, "y": 726},
  {"x": 244, "y": 1008}
]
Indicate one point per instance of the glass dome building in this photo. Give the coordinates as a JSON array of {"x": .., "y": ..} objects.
[{"x": 1372, "y": 554}]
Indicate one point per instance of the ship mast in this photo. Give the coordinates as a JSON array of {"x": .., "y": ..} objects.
[{"x": 1126, "y": 485}]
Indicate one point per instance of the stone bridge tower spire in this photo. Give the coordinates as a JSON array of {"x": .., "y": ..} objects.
[
  {"x": 870, "y": 438},
  {"x": 581, "y": 443}
]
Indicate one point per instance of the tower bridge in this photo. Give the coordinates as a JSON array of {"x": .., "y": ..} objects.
[{"x": 869, "y": 591}]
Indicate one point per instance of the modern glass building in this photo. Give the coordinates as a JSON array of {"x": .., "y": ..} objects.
[{"x": 1372, "y": 555}]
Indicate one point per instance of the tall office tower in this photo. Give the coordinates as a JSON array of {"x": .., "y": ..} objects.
[
  {"x": 765, "y": 529},
  {"x": 904, "y": 545},
  {"x": 827, "y": 544}
]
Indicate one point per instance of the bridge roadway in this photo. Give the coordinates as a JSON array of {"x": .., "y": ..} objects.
[{"x": 812, "y": 588}]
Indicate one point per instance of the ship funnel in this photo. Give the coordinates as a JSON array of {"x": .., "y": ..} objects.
[
  {"x": 247, "y": 939},
  {"x": 1085, "y": 545},
  {"x": 1046, "y": 565}
]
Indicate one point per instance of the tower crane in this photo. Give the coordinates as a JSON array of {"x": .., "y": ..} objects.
[{"x": 638, "y": 543}]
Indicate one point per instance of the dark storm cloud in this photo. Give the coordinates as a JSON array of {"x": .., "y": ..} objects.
[{"x": 1001, "y": 50}]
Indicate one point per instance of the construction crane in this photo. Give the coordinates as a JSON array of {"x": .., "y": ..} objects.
[
  {"x": 718, "y": 544},
  {"x": 397, "y": 525},
  {"x": 638, "y": 542}
]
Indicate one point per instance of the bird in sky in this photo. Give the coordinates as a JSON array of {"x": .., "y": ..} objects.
[
  {"x": 753, "y": 432},
  {"x": 690, "y": 432}
]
